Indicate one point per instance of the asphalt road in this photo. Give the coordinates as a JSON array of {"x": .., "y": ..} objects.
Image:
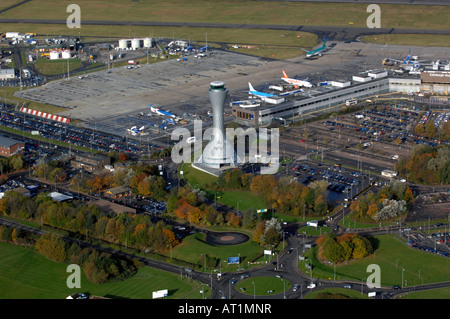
[{"x": 284, "y": 265}]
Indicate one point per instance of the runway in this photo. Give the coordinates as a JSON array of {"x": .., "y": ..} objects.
[{"x": 331, "y": 32}]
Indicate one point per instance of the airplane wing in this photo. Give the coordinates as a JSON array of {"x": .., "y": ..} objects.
[{"x": 395, "y": 60}]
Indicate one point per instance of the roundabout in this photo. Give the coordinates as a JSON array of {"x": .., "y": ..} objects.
[{"x": 226, "y": 238}]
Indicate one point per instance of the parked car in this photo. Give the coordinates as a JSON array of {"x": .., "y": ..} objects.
[{"x": 348, "y": 286}]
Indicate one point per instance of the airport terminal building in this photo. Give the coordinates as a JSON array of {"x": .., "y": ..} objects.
[{"x": 332, "y": 93}]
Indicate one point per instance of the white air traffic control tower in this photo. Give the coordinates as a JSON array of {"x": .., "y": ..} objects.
[{"x": 219, "y": 152}]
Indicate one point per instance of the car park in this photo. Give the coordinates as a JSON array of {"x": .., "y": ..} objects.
[{"x": 67, "y": 133}]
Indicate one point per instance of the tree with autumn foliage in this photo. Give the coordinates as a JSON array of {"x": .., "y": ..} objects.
[
  {"x": 343, "y": 248},
  {"x": 267, "y": 187},
  {"x": 426, "y": 165},
  {"x": 99, "y": 182},
  {"x": 52, "y": 247},
  {"x": 259, "y": 231},
  {"x": 233, "y": 219}
]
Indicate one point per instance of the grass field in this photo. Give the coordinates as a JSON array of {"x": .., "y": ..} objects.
[
  {"x": 240, "y": 12},
  {"x": 263, "y": 286},
  {"x": 442, "y": 293},
  {"x": 241, "y": 200},
  {"x": 26, "y": 274},
  {"x": 56, "y": 67},
  {"x": 196, "y": 178},
  {"x": 392, "y": 255},
  {"x": 7, "y": 3},
  {"x": 7, "y": 95}
]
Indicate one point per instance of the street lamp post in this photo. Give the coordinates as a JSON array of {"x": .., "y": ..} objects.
[
  {"x": 403, "y": 270},
  {"x": 254, "y": 290},
  {"x": 204, "y": 261}
]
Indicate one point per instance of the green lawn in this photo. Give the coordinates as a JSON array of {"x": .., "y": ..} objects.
[
  {"x": 56, "y": 67},
  {"x": 442, "y": 293},
  {"x": 26, "y": 274},
  {"x": 7, "y": 95},
  {"x": 314, "y": 231},
  {"x": 392, "y": 255},
  {"x": 241, "y": 199},
  {"x": 195, "y": 177},
  {"x": 263, "y": 286}
]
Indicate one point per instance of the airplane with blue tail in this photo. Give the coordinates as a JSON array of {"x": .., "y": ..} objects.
[
  {"x": 160, "y": 112},
  {"x": 266, "y": 97}
]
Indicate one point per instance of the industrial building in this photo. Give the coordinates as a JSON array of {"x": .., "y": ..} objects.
[
  {"x": 90, "y": 162},
  {"x": 9, "y": 146},
  {"x": 332, "y": 93},
  {"x": 134, "y": 44},
  {"x": 317, "y": 98},
  {"x": 7, "y": 74},
  {"x": 436, "y": 81},
  {"x": 117, "y": 192}
]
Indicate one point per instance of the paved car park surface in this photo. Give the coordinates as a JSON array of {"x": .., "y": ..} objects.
[{"x": 74, "y": 135}]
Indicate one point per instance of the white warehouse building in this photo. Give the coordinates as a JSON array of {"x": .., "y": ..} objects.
[{"x": 6, "y": 74}]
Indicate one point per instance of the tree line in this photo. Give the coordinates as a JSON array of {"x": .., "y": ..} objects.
[
  {"x": 426, "y": 165},
  {"x": 135, "y": 231},
  {"x": 283, "y": 195},
  {"x": 142, "y": 179},
  {"x": 99, "y": 267}
]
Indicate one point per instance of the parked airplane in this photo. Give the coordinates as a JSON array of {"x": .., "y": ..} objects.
[
  {"x": 160, "y": 112},
  {"x": 259, "y": 94},
  {"x": 295, "y": 82},
  {"x": 134, "y": 130},
  {"x": 170, "y": 121},
  {"x": 317, "y": 51},
  {"x": 266, "y": 97},
  {"x": 409, "y": 60}
]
